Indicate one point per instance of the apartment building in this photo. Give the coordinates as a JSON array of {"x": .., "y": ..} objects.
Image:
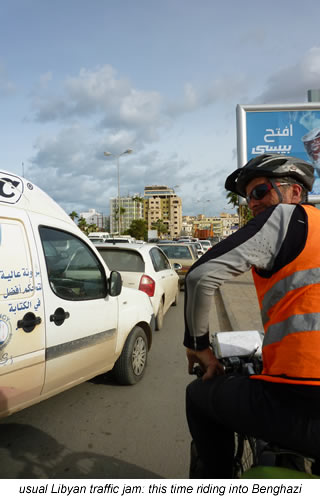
[
  {"x": 131, "y": 208},
  {"x": 230, "y": 223},
  {"x": 162, "y": 203},
  {"x": 93, "y": 217},
  {"x": 217, "y": 227}
]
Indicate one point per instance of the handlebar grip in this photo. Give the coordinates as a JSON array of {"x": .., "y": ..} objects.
[{"x": 198, "y": 371}]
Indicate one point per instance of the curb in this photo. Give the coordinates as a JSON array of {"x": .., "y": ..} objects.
[{"x": 235, "y": 326}]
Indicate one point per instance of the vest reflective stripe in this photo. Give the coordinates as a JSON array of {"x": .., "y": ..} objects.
[
  {"x": 295, "y": 324},
  {"x": 289, "y": 283},
  {"x": 290, "y": 307}
]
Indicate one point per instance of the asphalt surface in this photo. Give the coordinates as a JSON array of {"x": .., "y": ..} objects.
[{"x": 101, "y": 430}]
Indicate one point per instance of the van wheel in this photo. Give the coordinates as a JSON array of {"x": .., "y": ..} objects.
[
  {"x": 176, "y": 300},
  {"x": 130, "y": 366},
  {"x": 159, "y": 318}
]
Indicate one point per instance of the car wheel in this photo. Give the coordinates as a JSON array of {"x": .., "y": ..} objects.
[
  {"x": 176, "y": 300},
  {"x": 159, "y": 317},
  {"x": 131, "y": 365}
]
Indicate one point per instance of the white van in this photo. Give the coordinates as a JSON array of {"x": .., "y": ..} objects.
[
  {"x": 102, "y": 235},
  {"x": 64, "y": 317}
]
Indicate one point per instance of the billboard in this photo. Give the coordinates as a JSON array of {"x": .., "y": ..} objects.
[{"x": 292, "y": 129}]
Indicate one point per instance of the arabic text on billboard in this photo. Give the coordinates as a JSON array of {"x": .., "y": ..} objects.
[{"x": 296, "y": 133}]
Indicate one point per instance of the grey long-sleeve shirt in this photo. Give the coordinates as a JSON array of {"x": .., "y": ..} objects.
[{"x": 268, "y": 242}]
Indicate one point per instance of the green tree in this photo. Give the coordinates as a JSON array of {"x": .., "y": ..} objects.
[
  {"x": 122, "y": 212},
  {"x": 233, "y": 199},
  {"x": 138, "y": 229},
  {"x": 139, "y": 199},
  {"x": 82, "y": 224},
  {"x": 92, "y": 228},
  {"x": 243, "y": 210},
  {"x": 160, "y": 226},
  {"x": 73, "y": 215}
]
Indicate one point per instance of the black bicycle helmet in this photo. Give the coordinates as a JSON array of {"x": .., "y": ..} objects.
[{"x": 271, "y": 166}]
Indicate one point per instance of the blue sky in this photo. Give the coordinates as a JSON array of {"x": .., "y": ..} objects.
[{"x": 163, "y": 78}]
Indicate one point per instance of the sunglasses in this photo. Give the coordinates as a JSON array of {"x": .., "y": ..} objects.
[{"x": 260, "y": 191}]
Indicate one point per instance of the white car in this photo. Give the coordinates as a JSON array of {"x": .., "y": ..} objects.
[
  {"x": 197, "y": 245},
  {"x": 206, "y": 244},
  {"x": 147, "y": 268}
]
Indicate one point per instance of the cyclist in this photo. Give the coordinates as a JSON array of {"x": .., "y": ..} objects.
[{"x": 281, "y": 246}]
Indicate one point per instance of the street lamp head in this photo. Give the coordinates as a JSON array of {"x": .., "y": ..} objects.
[{"x": 127, "y": 151}]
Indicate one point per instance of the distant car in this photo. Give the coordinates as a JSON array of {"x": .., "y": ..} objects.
[
  {"x": 200, "y": 248},
  {"x": 119, "y": 240},
  {"x": 97, "y": 240},
  {"x": 206, "y": 244},
  {"x": 145, "y": 267},
  {"x": 187, "y": 239},
  {"x": 183, "y": 254},
  {"x": 199, "y": 251}
]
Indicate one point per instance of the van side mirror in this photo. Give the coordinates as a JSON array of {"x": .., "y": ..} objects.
[{"x": 114, "y": 283}]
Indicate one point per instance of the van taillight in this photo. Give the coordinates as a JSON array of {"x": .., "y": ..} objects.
[{"x": 147, "y": 285}]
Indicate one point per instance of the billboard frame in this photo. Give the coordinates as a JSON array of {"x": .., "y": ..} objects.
[{"x": 241, "y": 122}]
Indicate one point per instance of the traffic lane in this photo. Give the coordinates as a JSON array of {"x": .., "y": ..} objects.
[{"x": 101, "y": 430}]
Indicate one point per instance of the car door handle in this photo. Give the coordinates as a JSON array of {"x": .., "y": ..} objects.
[
  {"x": 29, "y": 322},
  {"x": 59, "y": 316}
]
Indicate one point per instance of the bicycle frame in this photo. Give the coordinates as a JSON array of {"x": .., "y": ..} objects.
[{"x": 240, "y": 352}]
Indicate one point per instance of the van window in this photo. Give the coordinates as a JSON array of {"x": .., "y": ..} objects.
[{"x": 74, "y": 272}]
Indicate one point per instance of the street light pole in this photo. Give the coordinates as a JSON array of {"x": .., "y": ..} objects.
[{"x": 117, "y": 156}]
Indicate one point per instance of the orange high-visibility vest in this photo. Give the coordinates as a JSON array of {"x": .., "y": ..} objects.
[{"x": 290, "y": 308}]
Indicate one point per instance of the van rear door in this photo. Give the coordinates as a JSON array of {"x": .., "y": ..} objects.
[{"x": 22, "y": 325}]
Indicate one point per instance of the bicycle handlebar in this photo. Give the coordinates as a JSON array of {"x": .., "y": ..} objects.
[{"x": 247, "y": 365}]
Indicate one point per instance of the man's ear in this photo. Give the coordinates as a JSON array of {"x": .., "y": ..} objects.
[{"x": 296, "y": 193}]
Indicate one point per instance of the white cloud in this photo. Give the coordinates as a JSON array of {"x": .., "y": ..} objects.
[
  {"x": 71, "y": 165},
  {"x": 99, "y": 93},
  {"x": 97, "y": 111},
  {"x": 291, "y": 83},
  {"x": 223, "y": 89}
]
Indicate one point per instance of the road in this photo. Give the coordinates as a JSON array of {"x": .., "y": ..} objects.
[{"x": 102, "y": 430}]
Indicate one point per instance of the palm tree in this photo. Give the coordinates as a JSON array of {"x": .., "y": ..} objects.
[
  {"x": 243, "y": 210},
  {"x": 160, "y": 226},
  {"x": 82, "y": 224},
  {"x": 73, "y": 215},
  {"x": 233, "y": 199}
]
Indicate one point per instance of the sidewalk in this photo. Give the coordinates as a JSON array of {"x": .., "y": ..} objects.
[{"x": 241, "y": 303}]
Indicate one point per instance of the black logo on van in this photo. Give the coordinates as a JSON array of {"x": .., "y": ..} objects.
[{"x": 11, "y": 189}]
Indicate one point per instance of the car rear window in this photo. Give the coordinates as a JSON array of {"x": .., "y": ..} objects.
[
  {"x": 180, "y": 252},
  {"x": 113, "y": 241},
  {"x": 122, "y": 260}
]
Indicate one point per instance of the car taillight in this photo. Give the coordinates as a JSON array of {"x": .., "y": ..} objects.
[
  {"x": 184, "y": 268},
  {"x": 147, "y": 285}
]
